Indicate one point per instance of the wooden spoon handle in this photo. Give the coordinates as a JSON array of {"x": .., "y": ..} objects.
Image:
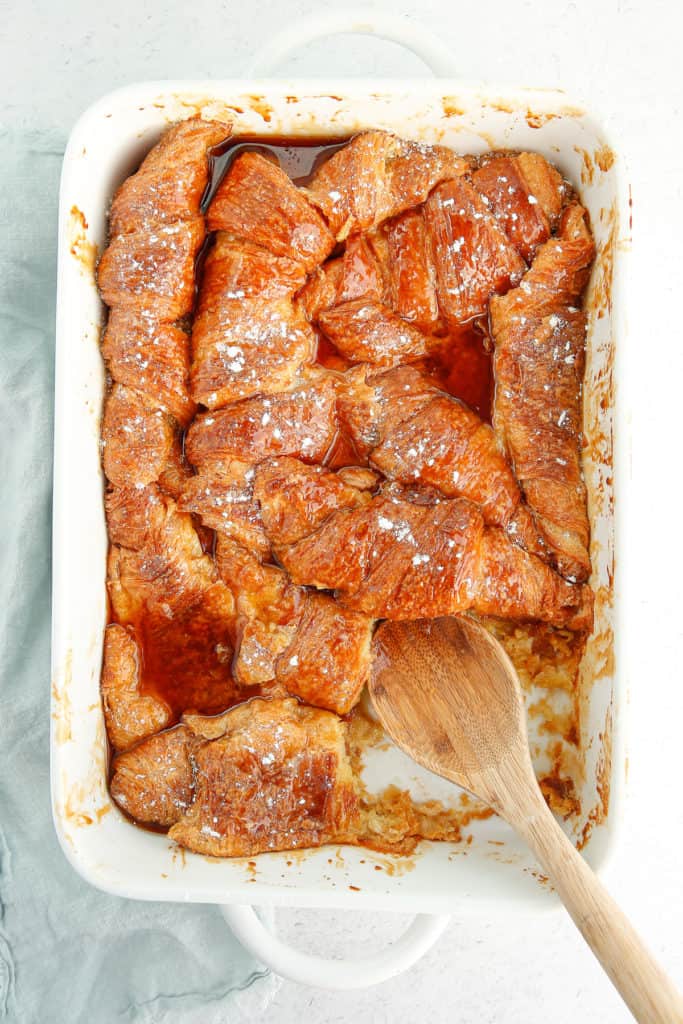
[{"x": 644, "y": 987}]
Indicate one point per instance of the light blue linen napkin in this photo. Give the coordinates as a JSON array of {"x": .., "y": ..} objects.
[{"x": 68, "y": 953}]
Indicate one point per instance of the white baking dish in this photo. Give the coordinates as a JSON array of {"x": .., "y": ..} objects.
[{"x": 102, "y": 845}]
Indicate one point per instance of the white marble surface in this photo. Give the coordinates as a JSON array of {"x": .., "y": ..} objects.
[{"x": 624, "y": 57}]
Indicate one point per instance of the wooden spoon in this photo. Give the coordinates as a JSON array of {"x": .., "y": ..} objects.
[{"x": 449, "y": 696}]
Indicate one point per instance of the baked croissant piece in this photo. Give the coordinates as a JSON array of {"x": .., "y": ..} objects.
[
  {"x": 413, "y": 433},
  {"x": 396, "y": 558},
  {"x": 248, "y": 336},
  {"x": 376, "y": 176},
  {"x": 293, "y": 639},
  {"x": 539, "y": 335},
  {"x": 268, "y": 775}
]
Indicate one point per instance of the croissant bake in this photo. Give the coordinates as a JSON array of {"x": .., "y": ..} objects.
[{"x": 330, "y": 402}]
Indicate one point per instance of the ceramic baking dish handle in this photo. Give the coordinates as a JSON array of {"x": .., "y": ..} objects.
[
  {"x": 305, "y": 969},
  {"x": 394, "y": 27}
]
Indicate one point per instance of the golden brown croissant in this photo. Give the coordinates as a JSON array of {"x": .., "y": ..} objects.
[
  {"x": 411, "y": 273},
  {"x": 152, "y": 357},
  {"x": 268, "y": 775},
  {"x": 376, "y": 176},
  {"x": 130, "y": 715},
  {"x": 151, "y": 270},
  {"x": 171, "y": 181},
  {"x": 257, "y": 202},
  {"x": 368, "y": 331},
  {"x": 248, "y": 336},
  {"x": 472, "y": 256},
  {"x": 298, "y": 422},
  {"x": 417, "y": 435},
  {"x": 296, "y": 638},
  {"x": 154, "y": 781},
  {"x": 393, "y": 558},
  {"x": 356, "y": 274},
  {"x": 525, "y": 195},
  {"x": 539, "y": 335},
  {"x": 271, "y": 775}
]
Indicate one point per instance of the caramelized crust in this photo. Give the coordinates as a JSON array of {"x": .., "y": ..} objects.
[
  {"x": 505, "y": 189},
  {"x": 539, "y": 365},
  {"x": 247, "y": 335},
  {"x": 129, "y": 714},
  {"x": 371, "y": 403},
  {"x": 248, "y": 346},
  {"x": 269, "y": 775},
  {"x": 447, "y": 446},
  {"x": 363, "y": 274},
  {"x": 133, "y": 513},
  {"x": 472, "y": 256},
  {"x": 433, "y": 512},
  {"x": 297, "y": 639},
  {"x": 418, "y": 436},
  {"x": 137, "y": 438},
  {"x": 542, "y": 429},
  {"x": 226, "y": 445},
  {"x": 545, "y": 183},
  {"x": 557, "y": 277},
  {"x": 259, "y": 642},
  {"x": 322, "y": 288},
  {"x": 295, "y": 499},
  {"x": 151, "y": 270},
  {"x": 413, "y": 289},
  {"x": 171, "y": 180},
  {"x": 221, "y": 494},
  {"x": 513, "y": 584},
  {"x": 154, "y": 782},
  {"x": 268, "y": 610},
  {"x": 258, "y": 202},
  {"x": 235, "y": 270},
  {"x": 391, "y": 266},
  {"x": 328, "y": 658},
  {"x": 367, "y": 331},
  {"x": 279, "y": 778},
  {"x": 176, "y": 472},
  {"x": 376, "y": 176},
  {"x": 300, "y": 422},
  {"x": 169, "y": 573},
  {"x": 393, "y": 558},
  {"x": 356, "y": 274},
  {"x": 152, "y": 357}
]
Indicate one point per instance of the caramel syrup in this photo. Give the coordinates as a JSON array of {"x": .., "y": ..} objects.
[
  {"x": 299, "y": 158},
  {"x": 464, "y": 368},
  {"x": 186, "y": 661}
]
